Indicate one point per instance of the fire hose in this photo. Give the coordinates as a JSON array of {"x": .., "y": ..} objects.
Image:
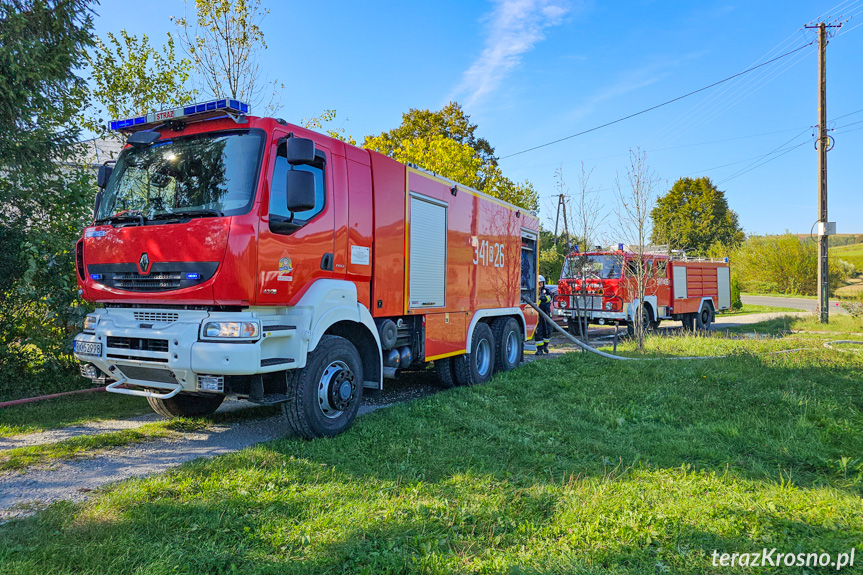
[{"x": 607, "y": 355}]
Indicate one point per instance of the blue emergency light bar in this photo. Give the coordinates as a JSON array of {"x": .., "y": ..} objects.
[{"x": 200, "y": 111}]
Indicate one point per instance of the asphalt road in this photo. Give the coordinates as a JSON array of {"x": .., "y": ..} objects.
[{"x": 792, "y": 302}]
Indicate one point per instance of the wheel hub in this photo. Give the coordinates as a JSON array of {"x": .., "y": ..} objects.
[
  {"x": 483, "y": 357},
  {"x": 336, "y": 389}
]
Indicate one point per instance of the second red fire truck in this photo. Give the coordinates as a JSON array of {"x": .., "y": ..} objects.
[{"x": 601, "y": 287}]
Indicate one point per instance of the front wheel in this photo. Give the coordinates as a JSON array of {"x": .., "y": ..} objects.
[
  {"x": 645, "y": 322},
  {"x": 186, "y": 405},
  {"x": 326, "y": 394}
]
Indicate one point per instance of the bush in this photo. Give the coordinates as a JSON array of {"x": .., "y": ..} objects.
[
  {"x": 782, "y": 264},
  {"x": 736, "y": 303}
]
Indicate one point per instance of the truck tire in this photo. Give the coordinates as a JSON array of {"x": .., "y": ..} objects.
[
  {"x": 575, "y": 327},
  {"x": 704, "y": 317},
  {"x": 325, "y": 395},
  {"x": 645, "y": 321},
  {"x": 186, "y": 405},
  {"x": 688, "y": 321},
  {"x": 478, "y": 365},
  {"x": 508, "y": 342},
  {"x": 445, "y": 372}
]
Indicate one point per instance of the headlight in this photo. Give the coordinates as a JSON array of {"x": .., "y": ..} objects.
[
  {"x": 608, "y": 305},
  {"x": 90, "y": 323},
  {"x": 232, "y": 329}
]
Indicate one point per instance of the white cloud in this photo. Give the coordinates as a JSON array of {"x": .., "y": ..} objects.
[{"x": 514, "y": 28}]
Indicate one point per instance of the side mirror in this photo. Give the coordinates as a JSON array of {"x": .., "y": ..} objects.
[
  {"x": 300, "y": 190},
  {"x": 104, "y": 175},
  {"x": 96, "y": 204},
  {"x": 300, "y": 151}
]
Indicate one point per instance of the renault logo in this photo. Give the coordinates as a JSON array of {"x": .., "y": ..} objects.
[{"x": 144, "y": 262}]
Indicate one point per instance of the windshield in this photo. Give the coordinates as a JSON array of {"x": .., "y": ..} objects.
[
  {"x": 592, "y": 267},
  {"x": 206, "y": 174}
]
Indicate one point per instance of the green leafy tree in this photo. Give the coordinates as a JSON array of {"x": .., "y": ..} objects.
[
  {"x": 693, "y": 216},
  {"x": 45, "y": 195},
  {"x": 224, "y": 40},
  {"x": 319, "y": 123},
  {"x": 132, "y": 78},
  {"x": 445, "y": 142}
]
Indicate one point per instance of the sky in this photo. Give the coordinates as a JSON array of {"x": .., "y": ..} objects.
[{"x": 529, "y": 72}]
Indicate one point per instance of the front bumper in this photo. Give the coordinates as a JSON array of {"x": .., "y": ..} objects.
[
  {"x": 163, "y": 352},
  {"x": 596, "y": 315}
]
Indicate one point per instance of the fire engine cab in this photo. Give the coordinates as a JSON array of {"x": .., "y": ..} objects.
[
  {"x": 239, "y": 256},
  {"x": 601, "y": 287}
]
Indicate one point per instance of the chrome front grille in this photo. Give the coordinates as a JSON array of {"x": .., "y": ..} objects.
[{"x": 133, "y": 281}]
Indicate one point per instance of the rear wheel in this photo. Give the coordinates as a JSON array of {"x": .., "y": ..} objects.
[
  {"x": 508, "y": 342},
  {"x": 445, "y": 372},
  {"x": 186, "y": 405},
  {"x": 688, "y": 321},
  {"x": 478, "y": 365},
  {"x": 704, "y": 318},
  {"x": 326, "y": 394}
]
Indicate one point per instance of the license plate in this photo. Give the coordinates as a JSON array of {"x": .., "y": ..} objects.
[{"x": 87, "y": 348}]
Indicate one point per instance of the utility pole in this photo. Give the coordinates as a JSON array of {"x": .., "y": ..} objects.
[
  {"x": 825, "y": 228},
  {"x": 561, "y": 206}
]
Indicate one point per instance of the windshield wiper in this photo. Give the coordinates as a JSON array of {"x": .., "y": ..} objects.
[
  {"x": 122, "y": 218},
  {"x": 188, "y": 214}
]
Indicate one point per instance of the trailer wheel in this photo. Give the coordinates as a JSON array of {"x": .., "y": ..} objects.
[
  {"x": 508, "y": 343},
  {"x": 186, "y": 405},
  {"x": 478, "y": 365},
  {"x": 704, "y": 317},
  {"x": 445, "y": 372},
  {"x": 326, "y": 394}
]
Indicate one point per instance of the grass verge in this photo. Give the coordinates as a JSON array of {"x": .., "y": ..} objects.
[
  {"x": 750, "y": 309},
  {"x": 572, "y": 465},
  {"x": 89, "y": 445},
  {"x": 66, "y": 411}
]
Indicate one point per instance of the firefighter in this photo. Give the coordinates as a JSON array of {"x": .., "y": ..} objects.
[{"x": 543, "y": 329}]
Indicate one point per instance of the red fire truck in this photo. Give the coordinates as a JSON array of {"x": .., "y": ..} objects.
[
  {"x": 242, "y": 256},
  {"x": 601, "y": 287}
]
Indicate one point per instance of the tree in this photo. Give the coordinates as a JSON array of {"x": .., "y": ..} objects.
[
  {"x": 132, "y": 78},
  {"x": 41, "y": 43},
  {"x": 693, "y": 216},
  {"x": 318, "y": 123},
  {"x": 445, "y": 142},
  {"x": 634, "y": 226},
  {"x": 44, "y": 195},
  {"x": 225, "y": 42}
]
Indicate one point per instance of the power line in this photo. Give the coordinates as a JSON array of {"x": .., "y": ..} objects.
[{"x": 660, "y": 105}]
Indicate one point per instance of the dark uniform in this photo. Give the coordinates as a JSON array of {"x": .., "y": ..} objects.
[{"x": 543, "y": 329}]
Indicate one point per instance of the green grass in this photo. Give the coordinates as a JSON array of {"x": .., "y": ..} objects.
[
  {"x": 788, "y": 295},
  {"x": 88, "y": 445},
  {"x": 748, "y": 309},
  {"x": 852, "y": 254},
  {"x": 70, "y": 410},
  {"x": 572, "y": 465},
  {"x": 838, "y": 325}
]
